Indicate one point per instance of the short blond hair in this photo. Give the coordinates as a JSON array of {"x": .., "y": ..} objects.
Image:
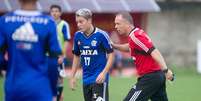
[{"x": 84, "y": 12}]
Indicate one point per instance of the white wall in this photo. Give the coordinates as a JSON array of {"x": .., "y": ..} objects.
[{"x": 175, "y": 34}]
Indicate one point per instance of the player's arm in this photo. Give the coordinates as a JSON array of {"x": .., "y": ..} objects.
[
  {"x": 101, "y": 77},
  {"x": 156, "y": 55},
  {"x": 76, "y": 63},
  {"x": 106, "y": 43},
  {"x": 121, "y": 47},
  {"x": 109, "y": 63},
  {"x": 75, "y": 66},
  {"x": 67, "y": 37},
  {"x": 66, "y": 45}
]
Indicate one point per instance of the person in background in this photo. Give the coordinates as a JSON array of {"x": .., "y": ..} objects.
[{"x": 63, "y": 34}]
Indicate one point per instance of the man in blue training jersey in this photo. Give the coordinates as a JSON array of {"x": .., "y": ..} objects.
[
  {"x": 27, "y": 35},
  {"x": 63, "y": 34},
  {"x": 92, "y": 48}
]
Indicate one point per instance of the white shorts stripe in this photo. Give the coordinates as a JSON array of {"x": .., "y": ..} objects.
[
  {"x": 104, "y": 90},
  {"x": 135, "y": 95}
]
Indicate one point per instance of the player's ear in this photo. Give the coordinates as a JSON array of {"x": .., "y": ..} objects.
[{"x": 89, "y": 20}]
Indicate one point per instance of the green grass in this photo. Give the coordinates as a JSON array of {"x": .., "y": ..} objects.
[{"x": 187, "y": 87}]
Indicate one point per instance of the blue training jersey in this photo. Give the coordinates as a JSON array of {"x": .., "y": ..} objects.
[
  {"x": 93, "y": 52},
  {"x": 27, "y": 36}
]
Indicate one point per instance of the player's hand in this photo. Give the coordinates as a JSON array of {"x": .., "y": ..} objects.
[
  {"x": 72, "y": 83},
  {"x": 60, "y": 59},
  {"x": 111, "y": 42},
  {"x": 54, "y": 98},
  {"x": 169, "y": 75},
  {"x": 100, "y": 78}
]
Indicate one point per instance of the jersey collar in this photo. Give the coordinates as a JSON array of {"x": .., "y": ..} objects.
[
  {"x": 27, "y": 13},
  {"x": 133, "y": 30},
  {"x": 94, "y": 30}
]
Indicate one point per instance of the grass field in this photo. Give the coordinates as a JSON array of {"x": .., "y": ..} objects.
[{"x": 187, "y": 87}]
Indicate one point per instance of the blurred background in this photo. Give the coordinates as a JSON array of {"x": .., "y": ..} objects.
[{"x": 173, "y": 25}]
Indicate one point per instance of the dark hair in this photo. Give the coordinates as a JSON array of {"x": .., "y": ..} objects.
[
  {"x": 56, "y": 6},
  {"x": 127, "y": 16}
]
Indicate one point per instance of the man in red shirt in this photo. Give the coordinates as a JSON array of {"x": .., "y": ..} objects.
[{"x": 150, "y": 64}]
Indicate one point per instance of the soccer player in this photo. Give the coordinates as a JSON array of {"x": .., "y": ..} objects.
[
  {"x": 27, "y": 35},
  {"x": 151, "y": 67},
  {"x": 92, "y": 48},
  {"x": 63, "y": 34}
]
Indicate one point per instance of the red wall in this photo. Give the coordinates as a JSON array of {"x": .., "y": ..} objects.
[{"x": 104, "y": 21}]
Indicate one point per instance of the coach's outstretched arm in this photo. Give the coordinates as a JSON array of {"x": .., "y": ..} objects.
[
  {"x": 156, "y": 55},
  {"x": 76, "y": 64},
  {"x": 101, "y": 76},
  {"x": 121, "y": 47}
]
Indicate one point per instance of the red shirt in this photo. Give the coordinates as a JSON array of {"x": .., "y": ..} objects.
[{"x": 141, "y": 47}]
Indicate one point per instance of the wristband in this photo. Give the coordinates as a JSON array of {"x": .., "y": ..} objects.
[{"x": 165, "y": 70}]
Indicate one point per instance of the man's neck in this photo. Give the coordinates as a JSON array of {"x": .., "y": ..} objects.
[
  {"x": 89, "y": 32},
  {"x": 130, "y": 28},
  {"x": 28, "y": 6},
  {"x": 57, "y": 20}
]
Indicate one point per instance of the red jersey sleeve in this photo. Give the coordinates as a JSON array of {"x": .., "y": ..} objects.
[{"x": 141, "y": 41}]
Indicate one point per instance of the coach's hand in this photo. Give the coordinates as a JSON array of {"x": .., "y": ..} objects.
[
  {"x": 100, "y": 78},
  {"x": 72, "y": 83},
  {"x": 169, "y": 75}
]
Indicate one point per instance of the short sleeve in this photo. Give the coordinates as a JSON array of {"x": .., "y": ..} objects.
[
  {"x": 76, "y": 42},
  {"x": 66, "y": 31},
  {"x": 106, "y": 43},
  {"x": 142, "y": 41}
]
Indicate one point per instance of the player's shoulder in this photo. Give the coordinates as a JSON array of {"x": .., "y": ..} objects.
[
  {"x": 101, "y": 33},
  {"x": 64, "y": 21},
  {"x": 137, "y": 32},
  {"x": 48, "y": 17},
  {"x": 78, "y": 33}
]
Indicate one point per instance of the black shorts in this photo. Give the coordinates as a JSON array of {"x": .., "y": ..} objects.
[
  {"x": 150, "y": 86},
  {"x": 96, "y": 92}
]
